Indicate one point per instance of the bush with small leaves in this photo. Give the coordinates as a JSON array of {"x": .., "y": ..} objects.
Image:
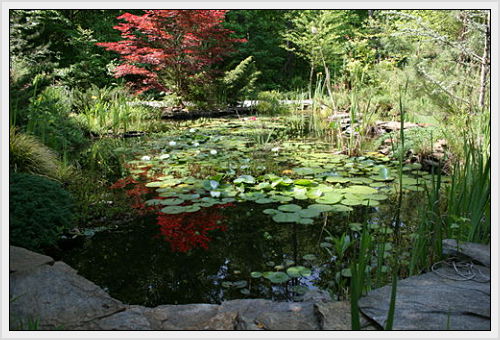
[{"x": 39, "y": 210}]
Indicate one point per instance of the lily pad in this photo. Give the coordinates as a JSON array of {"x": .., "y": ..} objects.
[
  {"x": 240, "y": 284},
  {"x": 173, "y": 209},
  {"x": 278, "y": 277},
  {"x": 298, "y": 271},
  {"x": 264, "y": 201},
  {"x": 309, "y": 213},
  {"x": 303, "y": 171},
  {"x": 309, "y": 257},
  {"x": 153, "y": 202},
  {"x": 172, "y": 201},
  {"x": 290, "y": 207},
  {"x": 331, "y": 197},
  {"x": 306, "y": 221},
  {"x": 192, "y": 208},
  {"x": 281, "y": 198},
  {"x": 341, "y": 208},
  {"x": 320, "y": 207},
  {"x": 270, "y": 211},
  {"x": 256, "y": 275},
  {"x": 304, "y": 182},
  {"x": 360, "y": 190},
  {"x": 286, "y": 217},
  {"x": 337, "y": 179},
  {"x": 352, "y": 201}
]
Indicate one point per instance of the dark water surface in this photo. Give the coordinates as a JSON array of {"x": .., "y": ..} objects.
[{"x": 208, "y": 256}]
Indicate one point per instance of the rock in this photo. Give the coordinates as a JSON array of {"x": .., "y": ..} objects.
[
  {"x": 315, "y": 295},
  {"x": 57, "y": 297},
  {"x": 21, "y": 259},
  {"x": 191, "y": 317},
  {"x": 255, "y": 314},
  {"x": 284, "y": 321},
  {"x": 131, "y": 319},
  {"x": 475, "y": 251},
  {"x": 336, "y": 316},
  {"x": 433, "y": 302}
]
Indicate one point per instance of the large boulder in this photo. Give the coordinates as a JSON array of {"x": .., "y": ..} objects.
[
  {"x": 55, "y": 296},
  {"x": 23, "y": 260},
  {"x": 478, "y": 252},
  {"x": 438, "y": 300}
]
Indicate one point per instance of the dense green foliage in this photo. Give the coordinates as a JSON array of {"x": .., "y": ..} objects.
[
  {"x": 28, "y": 154},
  {"x": 40, "y": 210}
]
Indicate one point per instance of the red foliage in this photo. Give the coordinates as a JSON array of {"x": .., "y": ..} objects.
[
  {"x": 186, "y": 231},
  {"x": 165, "y": 49}
]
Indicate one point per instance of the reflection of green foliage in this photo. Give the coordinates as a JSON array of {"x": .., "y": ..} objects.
[{"x": 40, "y": 209}]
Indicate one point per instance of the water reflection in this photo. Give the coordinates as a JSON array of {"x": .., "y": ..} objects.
[{"x": 186, "y": 231}]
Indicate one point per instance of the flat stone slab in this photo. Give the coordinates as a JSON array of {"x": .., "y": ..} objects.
[
  {"x": 261, "y": 314},
  {"x": 131, "y": 319},
  {"x": 56, "y": 296},
  {"x": 191, "y": 317},
  {"x": 433, "y": 301},
  {"x": 475, "y": 251},
  {"x": 21, "y": 259}
]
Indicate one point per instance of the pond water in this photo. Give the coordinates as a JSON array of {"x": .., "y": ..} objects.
[{"x": 222, "y": 216}]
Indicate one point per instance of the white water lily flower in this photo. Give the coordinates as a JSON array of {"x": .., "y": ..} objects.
[
  {"x": 215, "y": 194},
  {"x": 213, "y": 152},
  {"x": 276, "y": 149},
  {"x": 145, "y": 158},
  {"x": 196, "y": 144},
  {"x": 172, "y": 143},
  {"x": 192, "y": 130},
  {"x": 164, "y": 156}
]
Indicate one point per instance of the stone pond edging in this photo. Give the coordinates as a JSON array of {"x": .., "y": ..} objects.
[
  {"x": 56, "y": 297},
  {"x": 53, "y": 295}
]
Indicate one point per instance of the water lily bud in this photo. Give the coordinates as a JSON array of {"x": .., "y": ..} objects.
[
  {"x": 145, "y": 158},
  {"x": 172, "y": 143},
  {"x": 165, "y": 156},
  {"x": 213, "y": 152}
]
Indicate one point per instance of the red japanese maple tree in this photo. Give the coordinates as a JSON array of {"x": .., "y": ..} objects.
[{"x": 170, "y": 50}]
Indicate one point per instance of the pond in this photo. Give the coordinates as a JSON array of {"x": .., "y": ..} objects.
[{"x": 223, "y": 214}]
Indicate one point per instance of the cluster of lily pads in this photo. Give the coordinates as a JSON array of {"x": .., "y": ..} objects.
[{"x": 312, "y": 180}]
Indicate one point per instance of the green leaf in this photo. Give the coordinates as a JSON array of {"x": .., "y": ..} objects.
[
  {"x": 172, "y": 201},
  {"x": 298, "y": 271},
  {"x": 286, "y": 217},
  {"x": 290, "y": 207},
  {"x": 256, "y": 275}
]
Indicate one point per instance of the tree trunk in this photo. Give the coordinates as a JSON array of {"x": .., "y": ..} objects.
[{"x": 485, "y": 63}]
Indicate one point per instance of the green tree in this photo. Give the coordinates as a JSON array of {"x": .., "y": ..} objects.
[{"x": 263, "y": 30}]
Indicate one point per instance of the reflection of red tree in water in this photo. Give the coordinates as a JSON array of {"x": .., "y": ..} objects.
[
  {"x": 186, "y": 231},
  {"x": 183, "y": 231}
]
